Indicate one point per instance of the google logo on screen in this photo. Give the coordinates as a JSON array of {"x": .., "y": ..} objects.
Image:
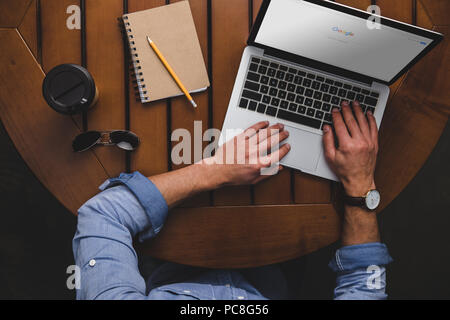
[{"x": 346, "y": 33}]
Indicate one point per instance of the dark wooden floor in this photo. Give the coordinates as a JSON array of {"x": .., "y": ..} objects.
[{"x": 36, "y": 233}]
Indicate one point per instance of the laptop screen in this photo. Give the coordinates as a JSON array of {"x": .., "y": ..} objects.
[{"x": 338, "y": 39}]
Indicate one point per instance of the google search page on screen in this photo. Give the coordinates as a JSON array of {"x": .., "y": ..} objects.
[{"x": 339, "y": 39}]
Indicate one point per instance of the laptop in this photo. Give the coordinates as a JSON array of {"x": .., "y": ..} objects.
[{"x": 304, "y": 57}]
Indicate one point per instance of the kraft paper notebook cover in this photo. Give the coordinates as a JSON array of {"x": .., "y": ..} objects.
[{"x": 172, "y": 29}]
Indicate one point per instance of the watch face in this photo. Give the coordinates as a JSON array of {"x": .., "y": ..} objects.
[{"x": 373, "y": 199}]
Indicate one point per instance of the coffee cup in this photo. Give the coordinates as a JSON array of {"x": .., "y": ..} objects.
[{"x": 70, "y": 89}]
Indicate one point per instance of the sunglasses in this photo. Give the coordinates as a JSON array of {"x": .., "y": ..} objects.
[{"x": 125, "y": 140}]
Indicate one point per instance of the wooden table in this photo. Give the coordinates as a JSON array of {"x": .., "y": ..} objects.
[{"x": 290, "y": 215}]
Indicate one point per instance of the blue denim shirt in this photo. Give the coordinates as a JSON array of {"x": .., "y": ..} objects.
[{"x": 131, "y": 206}]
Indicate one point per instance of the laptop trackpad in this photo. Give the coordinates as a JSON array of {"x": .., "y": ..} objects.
[{"x": 305, "y": 149}]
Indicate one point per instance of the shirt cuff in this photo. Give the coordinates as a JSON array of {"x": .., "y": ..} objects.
[
  {"x": 350, "y": 258},
  {"x": 149, "y": 197}
]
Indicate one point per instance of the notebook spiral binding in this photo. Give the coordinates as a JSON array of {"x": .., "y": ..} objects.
[{"x": 140, "y": 88}]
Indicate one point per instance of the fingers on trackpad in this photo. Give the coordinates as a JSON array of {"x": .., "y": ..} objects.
[{"x": 306, "y": 148}]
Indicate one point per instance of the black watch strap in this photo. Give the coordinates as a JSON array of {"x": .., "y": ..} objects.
[{"x": 355, "y": 201}]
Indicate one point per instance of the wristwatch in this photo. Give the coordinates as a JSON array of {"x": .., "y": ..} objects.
[{"x": 370, "y": 201}]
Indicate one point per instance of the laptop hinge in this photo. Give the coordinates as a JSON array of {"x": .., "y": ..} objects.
[{"x": 321, "y": 67}]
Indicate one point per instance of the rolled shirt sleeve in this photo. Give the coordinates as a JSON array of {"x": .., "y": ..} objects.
[
  {"x": 361, "y": 272},
  {"x": 129, "y": 206},
  {"x": 149, "y": 197}
]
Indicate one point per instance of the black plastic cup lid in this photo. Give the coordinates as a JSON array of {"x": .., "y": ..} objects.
[{"x": 69, "y": 89}]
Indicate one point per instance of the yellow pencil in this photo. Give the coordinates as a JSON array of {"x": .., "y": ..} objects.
[{"x": 172, "y": 73}]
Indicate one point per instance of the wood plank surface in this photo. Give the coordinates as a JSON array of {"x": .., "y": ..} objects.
[
  {"x": 12, "y": 12},
  {"x": 105, "y": 61},
  {"x": 275, "y": 189},
  {"x": 42, "y": 136},
  {"x": 422, "y": 18},
  {"x": 311, "y": 189},
  {"x": 438, "y": 11},
  {"x": 399, "y": 9},
  {"x": 261, "y": 236},
  {"x": 229, "y": 34},
  {"x": 149, "y": 121},
  {"x": 358, "y": 4},
  {"x": 28, "y": 28},
  {"x": 59, "y": 44}
]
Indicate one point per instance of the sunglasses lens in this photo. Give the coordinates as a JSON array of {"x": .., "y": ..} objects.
[
  {"x": 125, "y": 140},
  {"x": 85, "y": 140}
]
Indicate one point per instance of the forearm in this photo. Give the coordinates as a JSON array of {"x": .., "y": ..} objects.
[
  {"x": 359, "y": 226},
  {"x": 184, "y": 183}
]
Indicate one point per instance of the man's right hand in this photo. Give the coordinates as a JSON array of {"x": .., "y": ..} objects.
[{"x": 353, "y": 161}]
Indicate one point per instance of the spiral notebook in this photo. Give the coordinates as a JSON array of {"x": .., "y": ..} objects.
[{"x": 172, "y": 29}]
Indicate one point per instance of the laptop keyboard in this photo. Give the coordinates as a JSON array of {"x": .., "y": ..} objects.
[{"x": 297, "y": 95}]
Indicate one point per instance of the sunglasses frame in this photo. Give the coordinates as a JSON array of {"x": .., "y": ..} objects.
[{"x": 105, "y": 139}]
